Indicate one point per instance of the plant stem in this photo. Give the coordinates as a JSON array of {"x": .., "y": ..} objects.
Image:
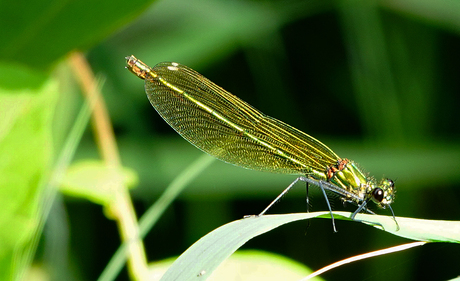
[{"x": 121, "y": 207}]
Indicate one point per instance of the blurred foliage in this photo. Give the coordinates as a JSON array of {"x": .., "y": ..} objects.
[
  {"x": 26, "y": 149},
  {"x": 377, "y": 81},
  {"x": 93, "y": 180},
  {"x": 39, "y": 33}
]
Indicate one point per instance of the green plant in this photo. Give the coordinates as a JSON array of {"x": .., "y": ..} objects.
[{"x": 397, "y": 116}]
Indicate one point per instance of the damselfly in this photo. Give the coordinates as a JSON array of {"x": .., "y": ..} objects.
[{"x": 233, "y": 131}]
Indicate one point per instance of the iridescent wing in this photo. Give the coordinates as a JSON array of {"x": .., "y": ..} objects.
[{"x": 228, "y": 128}]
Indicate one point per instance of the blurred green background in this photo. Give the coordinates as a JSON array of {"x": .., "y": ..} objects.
[{"x": 376, "y": 81}]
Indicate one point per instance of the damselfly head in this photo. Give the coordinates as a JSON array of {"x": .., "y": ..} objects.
[{"x": 383, "y": 193}]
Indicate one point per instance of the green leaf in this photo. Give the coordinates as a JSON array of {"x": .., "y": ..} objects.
[
  {"x": 252, "y": 264},
  {"x": 27, "y": 104},
  {"x": 418, "y": 229},
  {"x": 95, "y": 181},
  {"x": 211, "y": 250},
  {"x": 37, "y": 33}
]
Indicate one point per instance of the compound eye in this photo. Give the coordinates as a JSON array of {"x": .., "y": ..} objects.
[
  {"x": 377, "y": 194},
  {"x": 391, "y": 183}
]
